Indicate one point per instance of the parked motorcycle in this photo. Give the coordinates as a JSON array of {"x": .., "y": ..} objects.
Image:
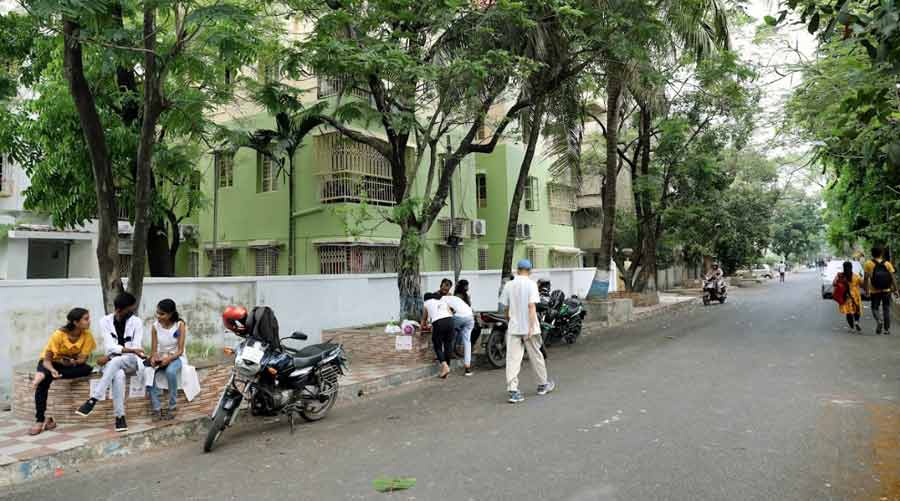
[
  {"x": 714, "y": 292},
  {"x": 274, "y": 378},
  {"x": 560, "y": 319}
]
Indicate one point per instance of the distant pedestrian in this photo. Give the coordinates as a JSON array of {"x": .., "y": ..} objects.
[
  {"x": 782, "y": 269},
  {"x": 520, "y": 297},
  {"x": 463, "y": 322},
  {"x": 847, "y": 294},
  {"x": 438, "y": 316},
  {"x": 880, "y": 284}
]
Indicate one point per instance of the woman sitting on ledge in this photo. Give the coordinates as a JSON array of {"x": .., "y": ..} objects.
[{"x": 64, "y": 357}]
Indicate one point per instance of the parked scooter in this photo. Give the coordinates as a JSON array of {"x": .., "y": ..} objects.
[
  {"x": 714, "y": 289},
  {"x": 274, "y": 378}
]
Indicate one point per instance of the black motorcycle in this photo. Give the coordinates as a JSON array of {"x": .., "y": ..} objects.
[
  {"x": 560, "y": 319},
  {"x": 277, "y": 379},
  {"x": 714, "y": 290}
]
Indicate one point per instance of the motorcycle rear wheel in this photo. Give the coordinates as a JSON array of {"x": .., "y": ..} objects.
[
  {"x": 216, "y": 427},
  {"x": 706, "y": 300},
  {"x": 496, "y": 349},
  {"x": 323, "y": 408}
]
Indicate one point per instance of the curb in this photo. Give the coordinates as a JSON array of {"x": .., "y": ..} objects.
[
  {"x": 674, "y": 308},
  {"x": 57, "y": 464}
]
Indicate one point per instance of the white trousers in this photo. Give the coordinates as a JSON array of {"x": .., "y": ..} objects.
[{"x": 516, "y": 346}]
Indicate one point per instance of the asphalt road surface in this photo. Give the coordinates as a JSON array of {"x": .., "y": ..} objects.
[{"x": 766, "y": 397}]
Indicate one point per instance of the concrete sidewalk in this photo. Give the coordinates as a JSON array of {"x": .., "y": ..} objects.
[{"x": 64, "y": 450}]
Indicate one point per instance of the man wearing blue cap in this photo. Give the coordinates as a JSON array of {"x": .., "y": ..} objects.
[{"x": 520, "y": 297}]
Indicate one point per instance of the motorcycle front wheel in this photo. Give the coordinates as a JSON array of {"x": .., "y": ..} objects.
[
  {"x": 216, "y": 427},
  {"x": 496, "y": 348},
  {"x": 706, "y": 300}
]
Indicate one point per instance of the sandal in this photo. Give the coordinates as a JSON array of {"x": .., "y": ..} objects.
[
  {"x": 36, "y": 429},
  {"x": 49, "y": 424}
]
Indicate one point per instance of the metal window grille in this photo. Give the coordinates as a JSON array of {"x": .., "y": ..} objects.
[
  {"x": 342, "y": 85},
  {"x": 531, "y": 255},
  {"x": 355, "y": 172},
  {"x": 532, "y": 194},
  {"x": 481, "y": 190},
  {"x": 482, "y": 258},
  {"x": 124, "y": 264},
  {"x": 562, "y": 197},
  {"x": 266, "y": 261},
  {"x": 348, "y": 259},
  {"x": 560, "y": 216},
  {"x": 220, "y": 263},
  {"x": 268, "y": 70},
  {"x": 224, "y": 165},
  {"x": 462, "y": 228},
  {"x": 268, "y": 181},
  {"x": 560, "y": 260},
  {"x": 446, "y": 256}
]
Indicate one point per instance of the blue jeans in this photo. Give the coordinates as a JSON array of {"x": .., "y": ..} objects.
[
  {"x": 171, "y": 372},
  {"x": 463, "y": 327}
]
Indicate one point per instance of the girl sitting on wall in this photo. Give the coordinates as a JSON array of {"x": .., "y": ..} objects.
[
  {"x": 166, "y": 358},
  {"x": 64, "y": 357}
]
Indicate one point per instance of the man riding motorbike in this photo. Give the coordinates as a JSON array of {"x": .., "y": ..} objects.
[{"x": 717, "y": 275}]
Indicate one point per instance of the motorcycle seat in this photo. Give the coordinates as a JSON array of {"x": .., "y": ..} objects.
[
  {"x": 312, "y": 355},
  {"x": 495, "y": 317}
]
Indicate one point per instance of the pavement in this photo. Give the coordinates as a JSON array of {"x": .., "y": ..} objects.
[{"x": 766, "y": 397}]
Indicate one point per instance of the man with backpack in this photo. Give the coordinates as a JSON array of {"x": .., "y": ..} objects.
[{"x": 880, "y": 284}]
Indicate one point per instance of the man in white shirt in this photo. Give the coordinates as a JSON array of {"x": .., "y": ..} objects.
[
  {"x": 122, "y": 334},
  {"x": 464, "y": 322},
  {"x": 520, "y": 297}
]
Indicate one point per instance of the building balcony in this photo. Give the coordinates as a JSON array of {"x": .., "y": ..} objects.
[{"x": 339, "y": 86}]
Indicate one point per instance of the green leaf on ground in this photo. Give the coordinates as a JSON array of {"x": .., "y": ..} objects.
[{"x": 393, "y": 484}]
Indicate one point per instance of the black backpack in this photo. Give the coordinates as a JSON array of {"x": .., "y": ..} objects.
[
  {"x": 881, "y": 277},
  {"x": 262, "y": 325}
]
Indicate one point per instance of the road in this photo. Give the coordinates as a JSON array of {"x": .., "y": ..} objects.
[{"x": 766, "y": 397}]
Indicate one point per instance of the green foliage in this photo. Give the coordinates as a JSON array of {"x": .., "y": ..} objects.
[{"x": 797, "y": 226}]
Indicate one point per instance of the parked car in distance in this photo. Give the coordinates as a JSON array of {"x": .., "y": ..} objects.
[
  {"x": 763, "y": 271},
  {"x": 832, "y": 268}
]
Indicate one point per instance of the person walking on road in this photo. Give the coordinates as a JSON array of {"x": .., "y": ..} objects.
[
  {"x": 847, "y": 294},
  {"x": 438, "y": 316},
  {"x": 880, "y": 284},
  {"x": 781, "y": 271},
  {"x": 520, "y": 298}
]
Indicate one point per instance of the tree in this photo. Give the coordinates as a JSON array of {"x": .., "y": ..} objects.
[
  {"x": 138, "y": 73},
  {"x": 697, "y": 26},
  {"x": 293, "y": 122},
  {"x": 433, "y": 70},
  {"x": 796, "y": 225}
]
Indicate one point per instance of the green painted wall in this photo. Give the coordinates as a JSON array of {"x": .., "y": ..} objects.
[{"x": 247, "y": 216}]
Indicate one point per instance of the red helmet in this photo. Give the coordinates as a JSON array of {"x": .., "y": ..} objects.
[{"x": 235, "y": 319}]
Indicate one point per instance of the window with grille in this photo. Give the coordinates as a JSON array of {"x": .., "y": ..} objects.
[
  {"x": 481, "y": 190},
  {"x": 124, "y": 264},
  {"x": 341, "y": 85},
  {"x": 266, "y": 261},
  {"x": 194, "y": 264},
  {"x": 531, "y": 255},
  {"x": 560, "y": 216},
  {"x": 560, "y": 260},
  {"x": 482, "y": 258},
  {"x": 220, "y": 263},
  {"x": 268, "y": 70},
  {"x": 532, "y": 194},
  {"x": 265, "y": 167},
  {"x": 354, "y": 172},
  {"x": 348, "y": 259},
  {"x": 224, "y": 164},
  {"x": 446, "y": 256}
]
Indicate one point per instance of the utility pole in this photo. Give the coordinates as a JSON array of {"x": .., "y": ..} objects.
[
  {"x": 213, "y": 266},
  {"x": 453, "y": 241}
]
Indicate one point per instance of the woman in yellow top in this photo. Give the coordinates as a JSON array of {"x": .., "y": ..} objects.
[
  {"x": 64, "y": 357},
  {"x": 852, "y": 305}
]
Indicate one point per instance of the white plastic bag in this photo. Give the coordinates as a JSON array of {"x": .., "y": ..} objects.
[{"x": 392, "y": 329}]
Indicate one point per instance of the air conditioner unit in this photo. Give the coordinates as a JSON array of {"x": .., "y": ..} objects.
[
  {"x": 479, "y": 227},
  {"x": 523, "y": 231},
  {"x": 189, "y": 231}
]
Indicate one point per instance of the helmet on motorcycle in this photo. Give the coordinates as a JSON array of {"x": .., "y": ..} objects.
[{"x": 235, "y": 319}]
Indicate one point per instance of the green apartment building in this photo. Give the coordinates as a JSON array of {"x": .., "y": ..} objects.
[{"x": 342, "y": 191}]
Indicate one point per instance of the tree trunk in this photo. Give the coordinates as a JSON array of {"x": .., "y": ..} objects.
[
  {"x": 159, "y": 255},
  {"x": 143, "y": 189},
  {"x": 408, "y": 280},
  {"x": 648, "y": 223},
  {"x": 291, "y": 236},
  {"x": 535, "y": 118},
  {"x": 614, "y": 87},
  {"x": 104, "y": 185}
]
